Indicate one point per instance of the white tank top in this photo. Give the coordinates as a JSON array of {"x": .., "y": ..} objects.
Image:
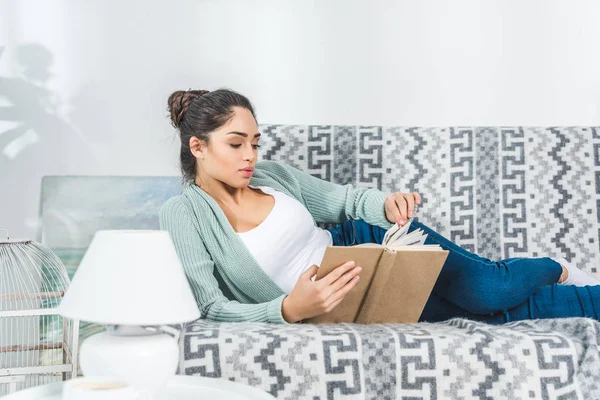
[{"x": 287, "y": 242}]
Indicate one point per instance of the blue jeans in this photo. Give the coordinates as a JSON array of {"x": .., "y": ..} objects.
[{"x": 478, "y": 288}]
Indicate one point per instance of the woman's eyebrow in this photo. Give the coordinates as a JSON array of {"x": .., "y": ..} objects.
[{"x": 243, "y": 134}]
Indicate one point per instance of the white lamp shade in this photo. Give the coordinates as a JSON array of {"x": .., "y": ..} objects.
[{"x": 130, "y": 277}]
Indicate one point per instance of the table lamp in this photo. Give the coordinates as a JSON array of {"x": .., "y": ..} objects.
[{"x": 133, "y": 282}]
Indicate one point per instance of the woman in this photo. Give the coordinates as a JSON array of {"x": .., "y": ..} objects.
[{"x": 247, "y": 237}]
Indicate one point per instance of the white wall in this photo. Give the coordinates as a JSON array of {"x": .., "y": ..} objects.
[{"x": 419, "y": 63}]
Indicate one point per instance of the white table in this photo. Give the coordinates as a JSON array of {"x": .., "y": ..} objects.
[{"x": 180, "y": 387}]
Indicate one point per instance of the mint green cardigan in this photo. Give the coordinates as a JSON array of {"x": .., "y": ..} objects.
[{"x": 226, "y": 280}]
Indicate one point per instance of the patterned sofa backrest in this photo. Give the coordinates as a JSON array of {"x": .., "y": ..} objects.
[{"x": 498, "y": 191}]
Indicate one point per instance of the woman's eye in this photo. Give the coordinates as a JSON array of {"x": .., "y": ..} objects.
[
  {"x": 235, "y": 146},
  {"x": 256, "y": 146}
]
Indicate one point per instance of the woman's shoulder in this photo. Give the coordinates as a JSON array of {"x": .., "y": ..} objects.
[
  {"x": 177, "y": 204},
  {"x": 173, "y": 208}
]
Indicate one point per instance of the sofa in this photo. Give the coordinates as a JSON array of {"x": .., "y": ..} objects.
[{"x": 498, "y": 191}]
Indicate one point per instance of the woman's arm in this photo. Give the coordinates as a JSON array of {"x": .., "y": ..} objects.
[
  {"x": 330, "y": 202},
  {"x": 199, "y": 269}
]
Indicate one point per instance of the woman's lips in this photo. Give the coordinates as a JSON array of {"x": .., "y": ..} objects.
[{"x": 247, "y": 172}]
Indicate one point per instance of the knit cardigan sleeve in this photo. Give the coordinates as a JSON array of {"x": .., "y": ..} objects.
[
  {"x": 199, "y": 269},
  {"x": 333, "y": 203}
]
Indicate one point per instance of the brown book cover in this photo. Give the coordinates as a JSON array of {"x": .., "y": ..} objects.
[{"x": 394, "y": 285}]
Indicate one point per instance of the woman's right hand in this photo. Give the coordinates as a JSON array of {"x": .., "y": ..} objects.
[{"x": 311, "y": 298}]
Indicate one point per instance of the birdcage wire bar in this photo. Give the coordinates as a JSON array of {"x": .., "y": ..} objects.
[{"x": 37, "y": 345}]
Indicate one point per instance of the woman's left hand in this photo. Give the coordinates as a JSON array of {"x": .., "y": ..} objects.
[{"x": 401, "y": 206}]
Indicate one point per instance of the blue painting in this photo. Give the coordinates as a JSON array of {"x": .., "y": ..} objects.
[{"x": 73, "y": 208}]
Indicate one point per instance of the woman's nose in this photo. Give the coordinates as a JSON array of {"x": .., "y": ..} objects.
[{"x": 249, "y": 154}]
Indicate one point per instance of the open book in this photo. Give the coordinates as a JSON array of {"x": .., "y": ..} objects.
[{"x": 395, "y": 282}]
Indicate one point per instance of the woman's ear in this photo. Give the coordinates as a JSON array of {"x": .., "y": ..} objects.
[{"x": 197, "y": 147}]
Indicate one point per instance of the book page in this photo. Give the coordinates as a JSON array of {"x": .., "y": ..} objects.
[
  {"x": 415, "y": 237},
  {"x": 395, "y": 232},
  {"x": 425, "y": 247}
]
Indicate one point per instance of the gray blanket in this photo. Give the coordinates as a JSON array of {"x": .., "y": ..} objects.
[{"x": 458, "y": 359}]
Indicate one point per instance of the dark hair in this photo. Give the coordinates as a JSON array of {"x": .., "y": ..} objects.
[{"x": 198, "y": 113}]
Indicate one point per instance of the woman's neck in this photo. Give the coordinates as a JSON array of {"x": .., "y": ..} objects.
[{"x": 221, "y": 192}]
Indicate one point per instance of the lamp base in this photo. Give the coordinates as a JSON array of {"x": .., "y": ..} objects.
[{"x": 144, "y": 359}]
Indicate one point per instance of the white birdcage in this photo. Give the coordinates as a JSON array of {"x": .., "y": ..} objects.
[{"x": 37, "y": 346}]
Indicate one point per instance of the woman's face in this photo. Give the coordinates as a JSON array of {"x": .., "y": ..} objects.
[{"x": 232, "y": 150}]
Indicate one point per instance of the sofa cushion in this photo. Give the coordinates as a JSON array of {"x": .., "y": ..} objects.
[{"x": 455, "y": 359}]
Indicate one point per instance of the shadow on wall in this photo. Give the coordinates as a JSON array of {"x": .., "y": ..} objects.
[
  {"x": 32, "y": 108},
  {"x": 35, "y": 137}
]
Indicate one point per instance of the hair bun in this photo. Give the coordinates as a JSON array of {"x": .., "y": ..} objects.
[{"x": 179, "y": 101}]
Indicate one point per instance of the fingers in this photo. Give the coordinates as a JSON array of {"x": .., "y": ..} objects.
[
  {"x": 310, "y": 272},
  {"x": 402, "y": 207},
  {"x": 338, "y": 296},
  {"x": 343, "y": 280},
  {"x": 333, "y": 305},
  {"x": 418, "y": 199},
  {"x": 414, "y": 199},
  {"x": 336, "y": 273},
  {"x": 410, "y": 203},
  {"x": 391, "y": 208}
]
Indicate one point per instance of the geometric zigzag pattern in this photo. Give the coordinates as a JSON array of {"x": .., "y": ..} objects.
[
  {"x": 497, "y": 191},
  {"x": 456, "y": 359}
]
